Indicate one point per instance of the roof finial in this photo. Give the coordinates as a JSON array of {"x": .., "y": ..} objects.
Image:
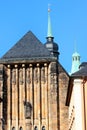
[{"x": 49, "y": 33}]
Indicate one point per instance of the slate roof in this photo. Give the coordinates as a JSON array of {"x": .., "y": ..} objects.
[
  {"x": 83, "y": 64},
  {"x": 82, "y": 71},
  {"x": 27, "y": 47}
]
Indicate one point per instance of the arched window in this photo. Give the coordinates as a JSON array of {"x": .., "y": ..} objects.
[
  {"x": 21, "y": 128},
  {"x": 43, "y": 128},
  {"x": 13, "y": 128},
  {"x": 35, "y": 128}
]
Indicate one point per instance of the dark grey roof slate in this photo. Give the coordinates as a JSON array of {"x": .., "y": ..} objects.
[
  {"x": 82, "y": 72},
  {"x": 83, "y": 64},
  {"x": 27, "y": 47}
]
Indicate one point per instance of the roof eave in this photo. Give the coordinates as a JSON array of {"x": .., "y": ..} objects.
[{"x": 27, "y": 60}]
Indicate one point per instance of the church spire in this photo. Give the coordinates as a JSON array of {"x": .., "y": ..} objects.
[
  {"x": 75, "y": 61},
  {"x": 50, "y": 44},
  {"x": 49, "y": 32}
]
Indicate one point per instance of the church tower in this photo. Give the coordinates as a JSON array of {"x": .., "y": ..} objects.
[
  {"x": 33, "y": 86},
  {"x": 75, "y": 62}
]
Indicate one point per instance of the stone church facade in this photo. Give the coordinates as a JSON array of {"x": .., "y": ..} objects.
[{"x": 33, "y": 86}]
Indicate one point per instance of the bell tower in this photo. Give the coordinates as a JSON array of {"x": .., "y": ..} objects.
[{"x": 75, "y": 62}]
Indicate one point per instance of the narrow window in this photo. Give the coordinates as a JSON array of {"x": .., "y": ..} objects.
[
  {"x": 35, "y": 128},
  {"x": 43, "y": 128},
  {"x": 13, "y": 128},
  {"x": 21, "y": 128}
]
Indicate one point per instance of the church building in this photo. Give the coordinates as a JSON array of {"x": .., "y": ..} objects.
[{"x": 33, "y": 85}]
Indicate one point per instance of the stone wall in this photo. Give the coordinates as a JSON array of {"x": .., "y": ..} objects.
[
  {"x": 34, "y": 96},
  {"x": 63, "y": 85}
]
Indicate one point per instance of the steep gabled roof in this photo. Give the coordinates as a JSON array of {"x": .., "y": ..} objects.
[{"x": 27, "y": 47}]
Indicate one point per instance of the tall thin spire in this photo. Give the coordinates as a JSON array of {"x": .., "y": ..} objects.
[
  {"x": 50, "y": 44},
  {"x": 49, "y": 32}
]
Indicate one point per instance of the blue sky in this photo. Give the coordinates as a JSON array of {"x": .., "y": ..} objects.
[{"x": 68, "y": 18}]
